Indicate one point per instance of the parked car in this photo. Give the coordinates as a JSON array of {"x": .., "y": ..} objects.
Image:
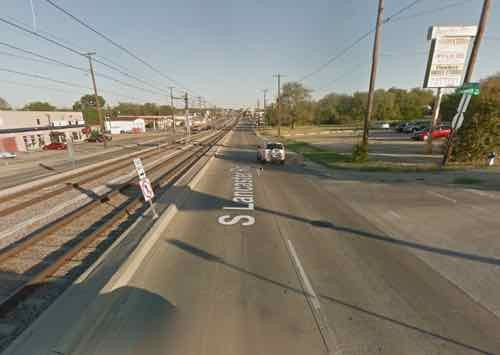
[
  {"x": 438, "y": 132},
  {"x": 400, "y": 127},
  {"x": 99, "y": 138},
  {"x": 55, "y": 146},
  {"x": 271, "y": 152},
  {"x": 7, "y": 155},
  {"x": 381, "y": 125}
]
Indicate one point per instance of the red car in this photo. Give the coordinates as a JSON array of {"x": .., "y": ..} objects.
[
  {"x": 55, "y": 146},
  {"x": 439, "y": 132}
]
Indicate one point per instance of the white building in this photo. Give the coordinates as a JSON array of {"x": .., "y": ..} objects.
[
  {"x": 31, "y": 130},
  {"x": 126, "y": 126}
]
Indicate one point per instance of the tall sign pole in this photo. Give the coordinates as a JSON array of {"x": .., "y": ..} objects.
[
  {"x": 373, "y": 75},
  {"x": 96, "y": 97},
  {"x": 435, "y": 117}
]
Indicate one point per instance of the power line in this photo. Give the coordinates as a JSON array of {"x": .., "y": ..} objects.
[
  {"x": 431, "y": 11},
  {"x": 61, "y": 82},
  {"x": 117, "y": 45},
  {"x": 49, "y": 60},
  {"x": 37, "y": 76},
  {"x": 357, "y": 41},
  {"x": 62, "y": 45}
]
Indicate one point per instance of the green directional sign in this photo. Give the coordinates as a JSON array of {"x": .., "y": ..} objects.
[{"x": 469, "y": 89}]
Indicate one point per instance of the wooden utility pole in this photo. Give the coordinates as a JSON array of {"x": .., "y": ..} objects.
[
  {"x": 96, "y": 97},
  {"x": 278, "y": 102},
  {"x": 373, "y": 75},
  {"x": 477, "y": 41},
  {"x": 173, "y": 110},
  {"x": 485, "y": 13}
]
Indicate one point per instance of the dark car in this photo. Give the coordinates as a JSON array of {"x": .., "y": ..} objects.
[
  {"x": 100, "y": 138},
  {"x": 55, "y": 146}
]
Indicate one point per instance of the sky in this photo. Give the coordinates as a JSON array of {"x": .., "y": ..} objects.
[{"x": 227, "y": 50}]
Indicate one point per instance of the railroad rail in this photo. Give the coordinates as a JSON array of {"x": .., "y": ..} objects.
[
  {"x": 22, "y": 199},
  {"x": 31, "y": 262}
]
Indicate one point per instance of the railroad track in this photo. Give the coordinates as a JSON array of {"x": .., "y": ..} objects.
[
  {"x": 50, "y": 258},
  {"x": 29, "y": 197}
]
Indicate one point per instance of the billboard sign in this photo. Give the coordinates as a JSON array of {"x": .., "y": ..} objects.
[
  {"x": 451, "y": 31},
  {"x": 448, "y": 56}
]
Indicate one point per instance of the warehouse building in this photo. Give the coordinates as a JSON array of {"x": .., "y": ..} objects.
[{"x": 23, "y": 131}]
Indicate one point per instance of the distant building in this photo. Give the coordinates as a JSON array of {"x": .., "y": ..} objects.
[
  {"x": 117, "y": 126},
  {"x": 22, "y": 131}
]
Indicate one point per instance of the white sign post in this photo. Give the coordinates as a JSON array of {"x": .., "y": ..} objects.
[{"x": 145, "y": 185}]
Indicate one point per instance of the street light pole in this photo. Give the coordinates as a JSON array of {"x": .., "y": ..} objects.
[
  {"x": 172, "y": 108},
  {"x": 278, "y": 102},
  {"x": 188, "y": 124},
  {"x": 96, "y": 97}
]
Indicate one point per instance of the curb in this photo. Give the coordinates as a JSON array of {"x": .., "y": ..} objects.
[{"x": 120, "y": 276}]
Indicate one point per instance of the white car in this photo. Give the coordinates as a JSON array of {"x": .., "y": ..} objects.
[
  {"x": 271, "y": 152},
  {"x": 7, "y": 155}
]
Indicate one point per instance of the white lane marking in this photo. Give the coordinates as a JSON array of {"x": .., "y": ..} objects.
[
  {"x": 394, "y": 214},
  {"x": 311, "y": 134},
  {"x": 324, "y": 132},
  {"x": 300, "y": 134},
  {"x": 313, "y": 300},
  {"x": 481, "y": 193},
  {"x": 437, "y": 194}
]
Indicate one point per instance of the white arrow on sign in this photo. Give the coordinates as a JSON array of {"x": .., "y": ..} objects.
[
  {"x": 147, "y": 189},
  {"x": 457, "y": 122}
]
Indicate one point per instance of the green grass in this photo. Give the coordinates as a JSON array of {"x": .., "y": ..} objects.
[
  {"x": 467, "y": 180},
  {"x": 331, "y": 159}
]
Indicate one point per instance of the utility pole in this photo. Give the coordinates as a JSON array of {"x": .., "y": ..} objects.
[
  {"x": 477, "y": 41},
  {"x": 172, "y": 107},
  {"x": 188, "y": 124},
  {"x": 278, "y": 102},
  {"x": 485, "y": 13},
  {"x": 373, "y": 76},
  {"x": 96, "y": 97}
]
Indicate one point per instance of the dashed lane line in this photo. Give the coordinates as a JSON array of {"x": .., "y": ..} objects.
[
  {"x": 437, "y": 194},
  {"x": 313, "y": 300}
]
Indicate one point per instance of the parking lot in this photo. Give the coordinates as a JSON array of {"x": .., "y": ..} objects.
[
  {"x": 27, "y": 165},
  {"x": 384, "y": 145}
]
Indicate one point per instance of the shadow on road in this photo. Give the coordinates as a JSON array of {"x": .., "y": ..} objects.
[{"x": 193, "y": 250}]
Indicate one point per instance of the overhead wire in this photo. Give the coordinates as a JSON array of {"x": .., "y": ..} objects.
[
  {"x": 118, "y": 45},
  {"x": 358, "y": 40},
  {"x": 74, "y": 51},
  {"x": 49, "y": 60}
]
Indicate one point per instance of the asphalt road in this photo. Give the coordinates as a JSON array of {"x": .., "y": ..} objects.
[{"x": 301, "y": 273}]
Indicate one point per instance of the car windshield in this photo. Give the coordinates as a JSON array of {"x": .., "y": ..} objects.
[{"x": 274, "y": 146}]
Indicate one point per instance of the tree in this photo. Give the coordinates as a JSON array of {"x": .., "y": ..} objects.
[
  {"x": 88, "y": 102},
  {"x": 39, "y": 106},
  {"x": 296, "y": 104},
  {"x": 4, "y": 105},
  {"x": 480, "y": 134}
]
